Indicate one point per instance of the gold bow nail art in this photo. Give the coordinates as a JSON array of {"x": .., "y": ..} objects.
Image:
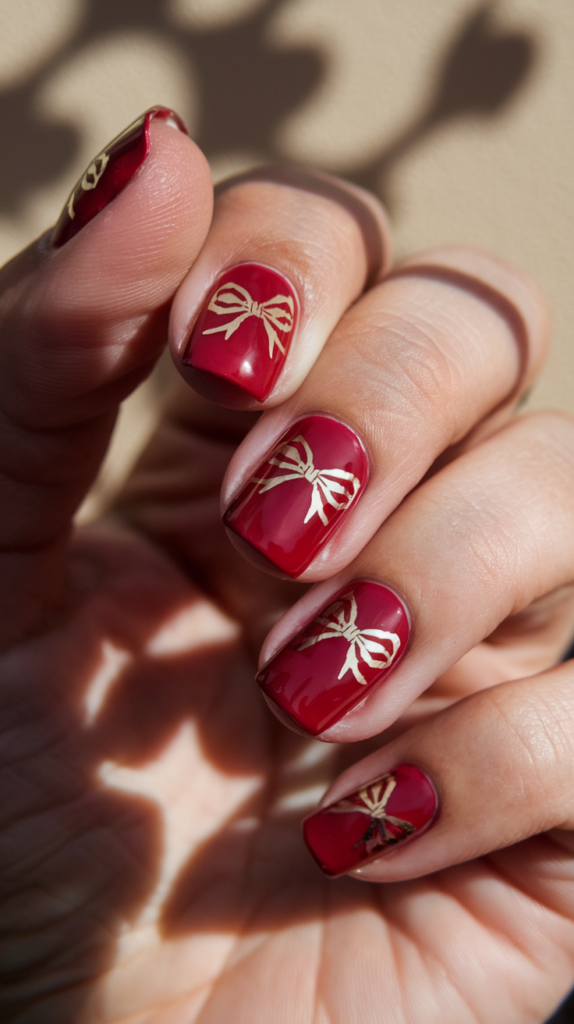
[
  {"x": 241, "y": 338},
  {"x": 326, "y": 483},
  {"x": 340, "y": 621},
  {"x": 275, "y": 313},
  {"x": 400, "y": 805}
]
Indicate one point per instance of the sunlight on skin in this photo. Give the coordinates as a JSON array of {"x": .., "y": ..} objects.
[
  {"x": 312, "y": 754},
  {"x": 114, "y": 660},
  {"x": 179, "y": 780},
  {"x": 301, "y": 800},
  {"x": 296, "y": 796},
  {"x": 198, "y": 625},
  {"x": 184, "y": 971},
  {"x": 194, "y": 800},
  {"x": 124, "y": 997}
]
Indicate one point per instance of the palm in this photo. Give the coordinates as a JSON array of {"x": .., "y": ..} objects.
[{"x": 156, "y": 802}]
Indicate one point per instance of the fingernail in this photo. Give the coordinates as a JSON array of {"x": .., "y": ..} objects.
[
  {"x": 327, "y": 668},
  {"x": 359, "y": 828},
  {"x": 109, "y": 172},
  {"x": 301, "y": 493},
  {"x": 241, "y": 338}
]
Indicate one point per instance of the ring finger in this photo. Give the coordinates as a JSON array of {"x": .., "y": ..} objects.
[{"x": 477, "y": 543}]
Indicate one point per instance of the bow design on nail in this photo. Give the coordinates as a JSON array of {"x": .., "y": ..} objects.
[
  {"x": 340, "y": 621},
  {"x": 90, "y": 179},
  {"x": 374, "y": 802},
  {"x": 276, "y": 313},
  {"x": 326, "y": 483},
  {"x": 92, "y": 175}
]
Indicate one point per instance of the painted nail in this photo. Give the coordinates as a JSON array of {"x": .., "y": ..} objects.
[
  {"x": 327, "y": 668},
  {"x": 241, "y": 338},
  {"x": 109, "y": 172},
  {"x": 359, "y": 828},
  {"x": 301, "y": 493}
]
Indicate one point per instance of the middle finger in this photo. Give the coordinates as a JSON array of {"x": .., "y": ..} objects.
[{"x": 435, "y": 354}]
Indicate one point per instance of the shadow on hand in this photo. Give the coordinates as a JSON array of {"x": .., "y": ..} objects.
[
  {"x": 85, "y": 854},
  {"x": 82, "y": 859}
]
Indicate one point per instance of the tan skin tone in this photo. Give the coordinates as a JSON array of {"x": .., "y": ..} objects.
[{"x": 152, "y": 865}]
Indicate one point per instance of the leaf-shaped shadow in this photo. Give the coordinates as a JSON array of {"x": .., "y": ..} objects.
[
  {"x": 246, "y": 86},
  {"x": 35, "y": 151},
  {"x": 482, "y": 70}
]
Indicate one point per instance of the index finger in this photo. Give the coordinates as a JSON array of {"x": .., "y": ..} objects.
[
  {"x": 286, "y": 255},
  {"x": 82, "y": 321}
]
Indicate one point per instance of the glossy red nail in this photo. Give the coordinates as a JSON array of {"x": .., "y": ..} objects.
[
  {"x": 351, "y": 646},
  {"x": 301, "y": 493},
  {"x": 241, "y": 338},
  {"x": 109, "y": 172},
  {"x": 360, "y": 827}
]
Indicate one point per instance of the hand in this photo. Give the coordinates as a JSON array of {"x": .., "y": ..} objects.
[{"x": 152, "y": 864}]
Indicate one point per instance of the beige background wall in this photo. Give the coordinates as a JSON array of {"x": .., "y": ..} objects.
[{"x": 458, "y": 113}]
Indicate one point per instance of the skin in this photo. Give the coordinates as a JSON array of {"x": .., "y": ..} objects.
[{"x": 151, "y": 863}]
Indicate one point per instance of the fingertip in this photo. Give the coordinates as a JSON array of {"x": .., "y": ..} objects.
[
  {"x": 133, "y": 253},
  {"x": 287, "y": 254}
]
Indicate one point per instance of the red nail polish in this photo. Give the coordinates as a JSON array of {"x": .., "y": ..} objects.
[
  {"x": 301, "y": 493},
  {"x": 241, "y": 338},
  {"x": 352, "y": 645},
  {"x": 359, "y": 828},
  {"x": 109, "y": 172}
]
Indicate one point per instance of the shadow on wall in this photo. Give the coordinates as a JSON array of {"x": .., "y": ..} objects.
[{"x": 247, "y": 88}]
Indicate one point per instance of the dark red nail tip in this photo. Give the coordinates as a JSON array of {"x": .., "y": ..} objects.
[
  {"x": 353, "y": 644},
  {"x": 242, "y": 336},
  {"x": 360, "y": 827},
  {"x": 109, "y": 172},
  {"x": 301, "y": 493}
]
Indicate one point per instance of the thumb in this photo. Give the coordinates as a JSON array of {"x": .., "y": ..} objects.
[{"x": 83, "y": 315}]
